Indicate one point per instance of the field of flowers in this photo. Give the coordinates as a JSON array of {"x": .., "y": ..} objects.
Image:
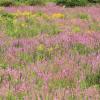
[{"x": 49, "y": 53}]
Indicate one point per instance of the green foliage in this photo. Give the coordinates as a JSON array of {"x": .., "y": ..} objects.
[
  {"x": 83, "y": 84},
  {"x": 10, "y": 96},
  {"x": 41, "y": 53},
  {"x": 94, "y": 1},
  {"x": 6, "y": 15},
  {"x": 26, "y": 57},
  {"x": 23, "y": 2},
  {"x": 1, "y": 79},
  {"x": 83, "y": 16},
  {"x": 39, "y": 83},
  {"x": 76, "y": 29},
  {"x": 20, "y": 96},
  {"x": 81, "y": 49},
  {"x": 6, "y": 2},
  {"x": 93, "y": 79},
  {"x": 1, "y": 98},
  {"x": 3, "y": 63},
  {"x": 35, "y": 2},
  {"x": 95, "y": 26},
  {"x": 29, "y": 27},
  {"x": 72, "y": 97},
  {"x": 18, "y": 65},
  {"x": 73, "y": 2},
  {"x": 61, "y": 83},
  {"x": 43, "y": 2}
]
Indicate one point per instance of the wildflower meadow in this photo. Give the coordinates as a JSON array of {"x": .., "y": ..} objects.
[{"x": 49, "y": 51}]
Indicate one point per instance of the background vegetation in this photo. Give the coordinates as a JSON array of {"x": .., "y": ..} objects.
[{"x": 42, "y": 2}]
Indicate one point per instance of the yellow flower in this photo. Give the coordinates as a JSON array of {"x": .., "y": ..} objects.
[
  {"x": 26, "y": 13},
  {"x": 41, "y": 47},
  {"x": 61, "y": 24},
  {"x": 50, "y": 49},
  {"x": 23, "y": 24},
  {"x": 58, "y": 15}
]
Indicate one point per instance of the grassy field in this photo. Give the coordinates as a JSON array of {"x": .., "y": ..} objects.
[{"x": 49, "y": 53}]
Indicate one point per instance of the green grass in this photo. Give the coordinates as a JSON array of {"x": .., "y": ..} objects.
[
  {"x": 83, "y": 16},
  {"x": 61, "y": 83},
  {"x": 81, "y": 49},
  {"x": 3, "y": 63},
  {"x": 76, "y": 29},
  {"x": 10, "y": 96},
  {"x": 93, "y": 79},
  {"x": 39, "y": 83},
  {"x": 95, "y": 26}
]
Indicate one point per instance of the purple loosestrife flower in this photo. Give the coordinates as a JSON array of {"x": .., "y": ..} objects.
[
  {"x": 1, "y": 43},
  {"x": 95, "y": 63},
  {"x": 4, "y": 89},
  {"x": 22, "y": 87},
  {"x": 14, "y": 73},
  {"x": 26, "y": 44},
  {"x": 83, "y": 39},
  {"x": 91, "y": 92}
]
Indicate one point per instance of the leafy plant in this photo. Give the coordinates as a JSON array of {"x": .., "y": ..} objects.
[
  {"x": 29, "y": 27},
  {"x": 6, "y": 2},
  {"x": 95, "y": 26},
  {"x": 81, "y": 49},
  {"x": 41, "y": 53},
  {"x": 72, "y": 3},
  {"x": 26, "y": 57},
  {"x": 76, "y": 29},
  {"x": 10, "y": 96},
  {"x": 93, "y": 79},
  {"x": 83, "y": 16},
  {"x": 39, "y": 83},
  {"x": 61, "y": 83},
  {"x": 35, "y": 2},
  {"x": 94, "y": 1},
  {"x": 24, "y": 2}
]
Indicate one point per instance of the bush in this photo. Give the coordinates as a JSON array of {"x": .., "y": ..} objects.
[
  {"x": 94, "y": 1},
  {"x": 6, "y": 2},
  {"x": 73, "y": 2},
  {"x": 20, "y": 2},
  {"x": 35, "y": 2}
]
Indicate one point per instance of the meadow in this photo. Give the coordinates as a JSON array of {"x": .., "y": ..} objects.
[{"x": 49, "y": 52}]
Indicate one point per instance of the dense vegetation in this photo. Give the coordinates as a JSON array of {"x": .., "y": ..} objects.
[
  {"x": 42, "y": 2},
  {"x": 49, "y": 52}
]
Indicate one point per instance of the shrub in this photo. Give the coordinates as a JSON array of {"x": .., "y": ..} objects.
[
  {"x": 35, "y": 2},
  {"x": 73, "y": 2},
  {"x": 94, "y": 1},
  {"x": 20, "y": 2},
  {"x": 6, "y": 2}
]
